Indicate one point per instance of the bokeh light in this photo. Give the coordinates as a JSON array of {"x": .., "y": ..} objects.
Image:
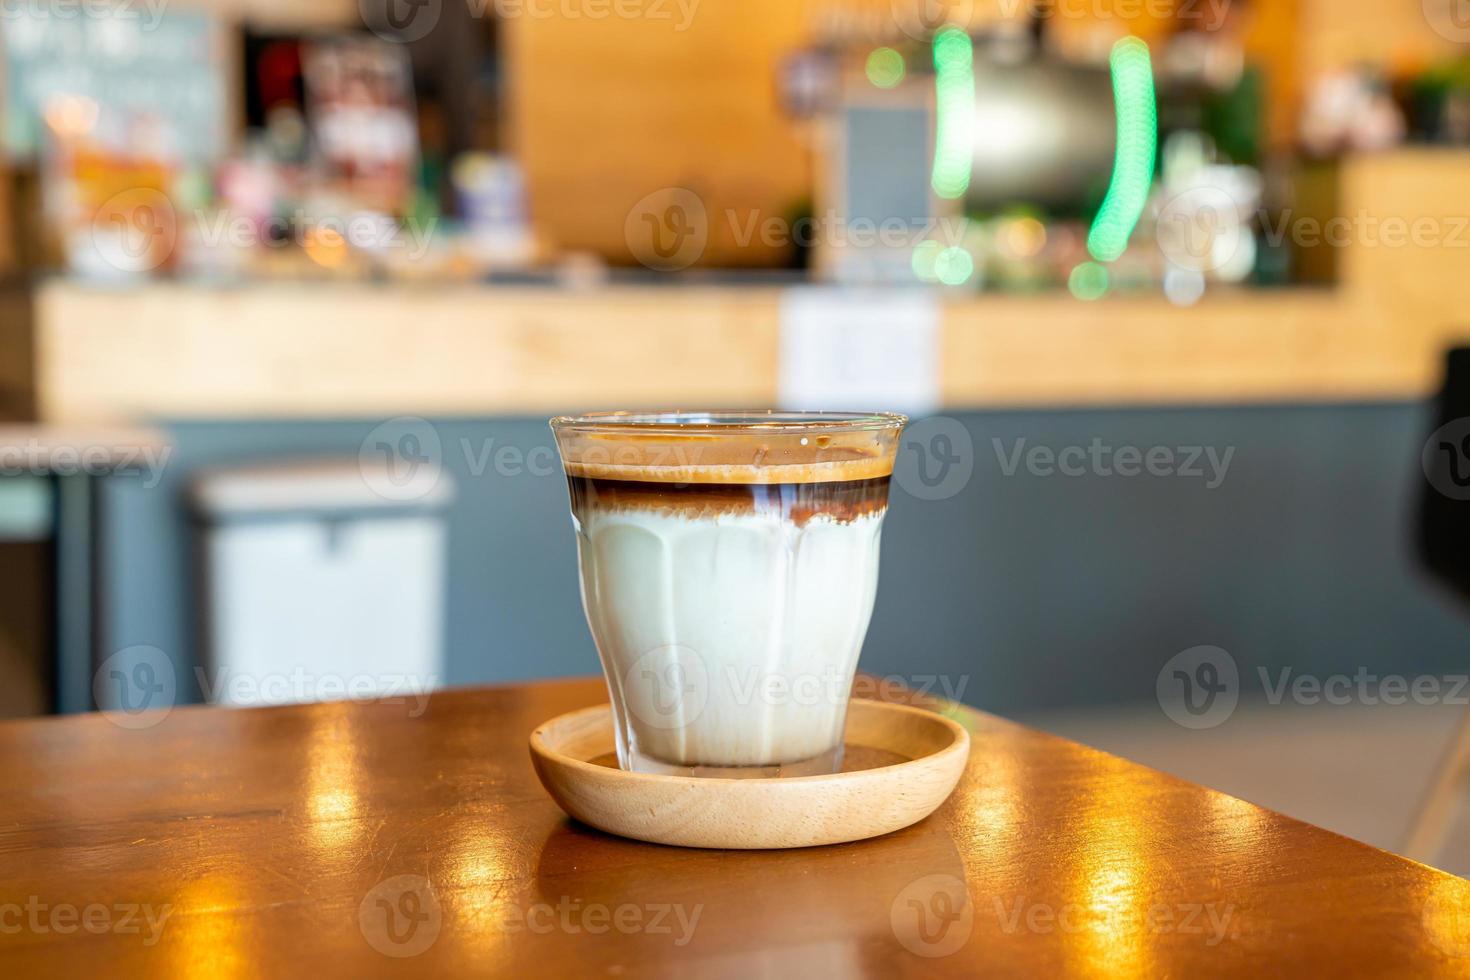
[
  {"x": 925, "y": 259},
  {"x": 1088, "y": 281},
  {"x": 1023, "y": 238},
  {"x": 954, "y": 266},
  {"x": 886, "y": 68}
]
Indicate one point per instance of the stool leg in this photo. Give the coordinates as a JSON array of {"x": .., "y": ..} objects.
[{"x": 1437, "y": 808}]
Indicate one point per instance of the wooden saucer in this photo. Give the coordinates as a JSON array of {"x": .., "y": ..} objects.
[{"x": 903, "y": 762}]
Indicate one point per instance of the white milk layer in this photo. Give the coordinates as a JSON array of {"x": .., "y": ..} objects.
[{"x": 729, "y": 640}]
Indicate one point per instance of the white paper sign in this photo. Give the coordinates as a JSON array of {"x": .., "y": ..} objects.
[{"x": 860, "y": 350}]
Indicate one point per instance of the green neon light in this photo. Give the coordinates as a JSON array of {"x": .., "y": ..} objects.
[
  {"x": 1133, "y": 164},
  {"x": 954, "y": 99}
]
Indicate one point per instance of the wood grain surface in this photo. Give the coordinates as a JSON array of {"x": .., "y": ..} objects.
[
  {"x": 382, "y": 839},
  {"x": 363, "y": 351}
]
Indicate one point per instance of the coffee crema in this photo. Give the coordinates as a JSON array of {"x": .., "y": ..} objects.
[{"x": 757, "y": 457}]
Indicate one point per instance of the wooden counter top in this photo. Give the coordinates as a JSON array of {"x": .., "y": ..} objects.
[
  {"x": 375, "y": 839},
  {"x": 120, "y": 356}
]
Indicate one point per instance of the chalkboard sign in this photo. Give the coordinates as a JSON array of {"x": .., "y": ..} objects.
[{"x": 132, "y": 61}]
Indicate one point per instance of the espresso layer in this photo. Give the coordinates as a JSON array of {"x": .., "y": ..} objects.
[
  {"x": 725, "y": 454},
  {"x": 837, "y": 500},
  {"x": 673, "y": 468}
]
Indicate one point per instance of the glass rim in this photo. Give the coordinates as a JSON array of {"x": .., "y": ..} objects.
[{"x": 772, "y": 421}]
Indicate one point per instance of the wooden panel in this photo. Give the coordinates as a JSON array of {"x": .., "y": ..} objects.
[
  {"x": 1274, "y": 41},
  {"x": 380, "y": 839},
  {"x": 1294, "y": 346},
  {"x": 334, "y": 350},
  {"x": 1410, "y": 235},
  {"x": 1338, "y": 34},
  {"x": 315, "y": 351},
  {"x": 606, "y": 111}
]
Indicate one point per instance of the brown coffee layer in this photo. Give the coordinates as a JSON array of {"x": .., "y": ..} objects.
[
  {"x": 837, "y": 500},
  {"x": 729, "y": 455},
  {"x": 733, "y": 474}
]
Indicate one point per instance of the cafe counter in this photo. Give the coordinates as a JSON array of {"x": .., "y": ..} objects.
[
  {"x": 1373, "y": 332},
  {"x": 116, "y": 355}
]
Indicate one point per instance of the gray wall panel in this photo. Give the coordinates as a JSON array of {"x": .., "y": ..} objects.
[{"x": 1037, "y": 591}]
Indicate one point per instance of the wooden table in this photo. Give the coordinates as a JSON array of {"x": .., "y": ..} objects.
[{"x": 360, "y": 840}]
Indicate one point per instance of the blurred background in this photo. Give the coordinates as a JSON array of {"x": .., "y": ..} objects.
[{"x": 1171, "y": 288}]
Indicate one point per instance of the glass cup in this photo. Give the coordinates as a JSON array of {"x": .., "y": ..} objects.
[{"x": 729, "y": 562}]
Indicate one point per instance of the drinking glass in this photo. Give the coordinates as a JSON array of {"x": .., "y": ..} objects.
[{"x": 729, "y": 562}]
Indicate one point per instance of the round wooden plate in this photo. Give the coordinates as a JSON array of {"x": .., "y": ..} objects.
[{"x": 901, "y": 763}]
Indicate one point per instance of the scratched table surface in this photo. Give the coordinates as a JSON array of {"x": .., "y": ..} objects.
[{"x": 381, "y": 839}]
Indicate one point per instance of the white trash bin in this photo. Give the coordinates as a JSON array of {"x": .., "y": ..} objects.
[{"x": 318, "y": 587}]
